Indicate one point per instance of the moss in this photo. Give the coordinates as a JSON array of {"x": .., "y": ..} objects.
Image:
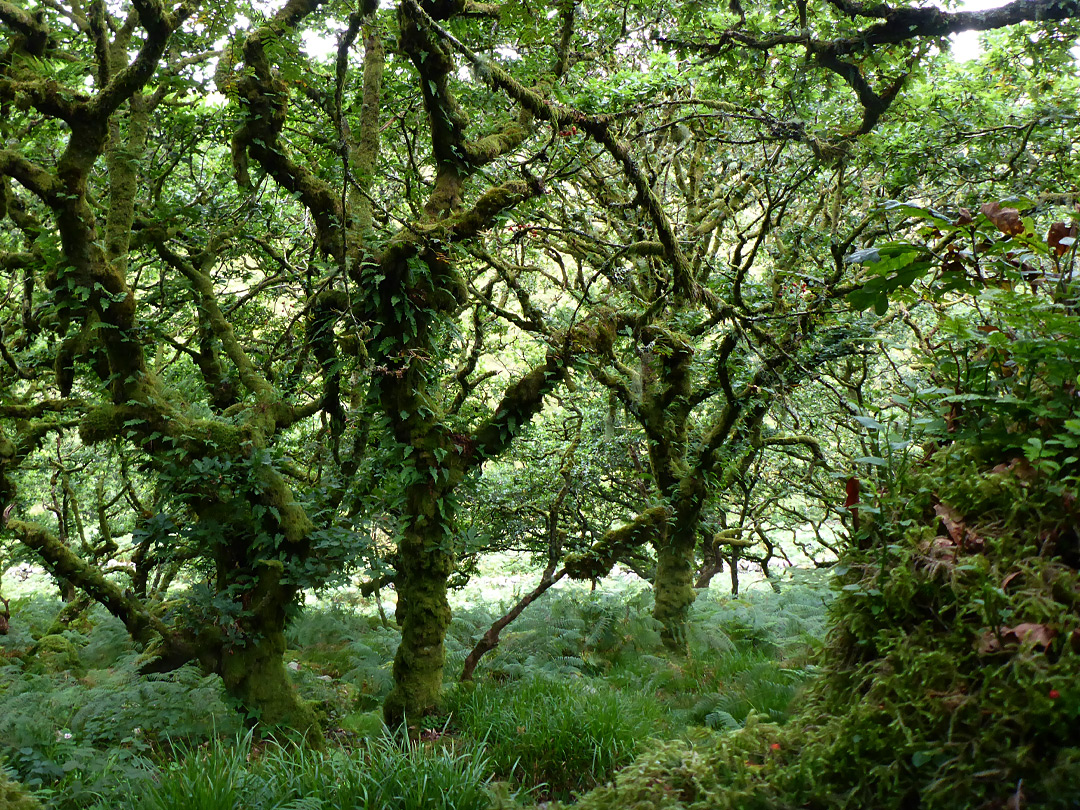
[
  {"x": 13, "y": 796},
  {"x": 255, "y": 674},
  {"x": 424, "y": 615},
  {"x": 676, "y": 775},
  {"x": 490, "y": 204},
  {"x": 616, "y": 544},
  {"x": 293, "y": 520},
  {"x": 367, "y": 725},
  {"x": 102, "y": 423},
  {"x": 673, "y": 592},
  {"x": 55, "y": 654},
  {"x": 489, "y": 148},
  {"x": 224, "y": 439},
  {"x": 931, "y": 695}
]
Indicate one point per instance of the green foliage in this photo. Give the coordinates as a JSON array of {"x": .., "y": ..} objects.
[
  {"x": 562, "y": 736},
  {"x": 82, "y": 734},
  {"x": 381, "y": 776},
  {"x": 949, "y": 678},
  {"x": 575, "y": 691}
]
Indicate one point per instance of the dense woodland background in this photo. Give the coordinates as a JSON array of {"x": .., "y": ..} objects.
[{"x": 582, "y": 317}]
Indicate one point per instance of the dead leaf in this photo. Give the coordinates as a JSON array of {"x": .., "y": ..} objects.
[
  {"x": 953, "y": 266},
  {"x": 1020, "y": 467},
  {"x": 852, "y": 492},
  {"x": 1006, "y": 220},
  {"x": 954, "y": 522},
  {"x": 1009, "y": 579},
  {"x": 1038, "y": 635},
  {"x": 966, "y": 217},
  {"x": 988, "y": 643},
  {"x": 1057, "y": 232}
]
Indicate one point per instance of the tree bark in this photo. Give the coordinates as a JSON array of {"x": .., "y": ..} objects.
[{"x": 425, "y": 563}]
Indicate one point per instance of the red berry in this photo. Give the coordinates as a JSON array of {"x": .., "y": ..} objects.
[{"x": 1054, "y": 694}]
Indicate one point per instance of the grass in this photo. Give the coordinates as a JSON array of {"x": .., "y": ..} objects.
[
  {"x": 383, "y": 775},
  {"x": 557, "y": 736}
]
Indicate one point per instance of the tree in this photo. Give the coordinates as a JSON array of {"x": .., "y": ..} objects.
[{"x": 714, "y": 280}]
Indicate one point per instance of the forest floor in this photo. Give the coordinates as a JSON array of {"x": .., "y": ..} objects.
[{"x": 578, "y": 687}]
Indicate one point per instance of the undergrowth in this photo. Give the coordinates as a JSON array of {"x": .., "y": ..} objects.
[
  {"x": 578, "y": 686},
  {"x": 560, "y": 736},
  {"x": 382, "y": 775}
]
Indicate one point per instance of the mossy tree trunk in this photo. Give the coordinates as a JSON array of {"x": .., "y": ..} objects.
[
  {"x": 664, "y": 407},
  {"x": 425, "y": 550},
  {"x": 404, "y": 292},
  {"x": 414, "y": 288},
  {"x": 248, "y": 654},
  {"x": 99, "y": 313}
]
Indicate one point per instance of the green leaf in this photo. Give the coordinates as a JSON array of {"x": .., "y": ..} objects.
[{"x": 920, "y": 758}]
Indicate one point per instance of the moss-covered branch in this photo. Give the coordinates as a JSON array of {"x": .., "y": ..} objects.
[
  {"x": 203, "y": 287},
  {"x": 264, "y": 100},
  {"x": 520, "y": 403},
  {"x": 366, "y": 150},
  {"x": 617, "y": 543},
  {"x": 598, "y": 128},
  {"x": 62, "y": 562},
  {"x": 30, "y": 26},
  {"x": 159, "y": 25},
  {"x": 34, "y": 178},
  {"x": 809, "y": 442}
]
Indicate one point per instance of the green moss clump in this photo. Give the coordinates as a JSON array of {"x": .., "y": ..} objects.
[
  {"x": 673, "y": 589},
  {"x": 101, "y": 424},
  {"x": 14, "y": 797},
  {"x": 55, "y": 654},
  {"x": 255, "y": 674}
]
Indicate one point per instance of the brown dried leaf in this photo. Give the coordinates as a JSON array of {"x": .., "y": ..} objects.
[
  {"x": 1005, "y": 583},
  {"x": 1006, "y": 220},
  {"x": 966, "y": 217},
  {"x": 988, "y": 643},
  {"x": 953, "y": 264},
  {"x": 1020, "y": 467},
  {"x": 852, "y": 492},
  {"x": 1038, "y": 635},
  {"x": 1059, "y": 231},
  {"x": 954, "y": 522}
]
